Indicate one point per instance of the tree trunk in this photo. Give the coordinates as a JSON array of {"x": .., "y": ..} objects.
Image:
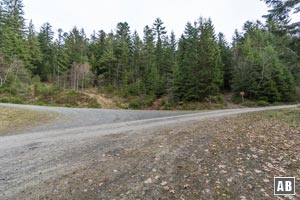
[
  {"x": 77, "y": 82},
  {"x": 16, "y": 75},
  {"x": 6, "y": 75},
  {"x": 58, "y": 81},
  {"x": 82, "y": 82},
  {"x": 65, "y": 79},
  {"x": 75, "y": 76}
]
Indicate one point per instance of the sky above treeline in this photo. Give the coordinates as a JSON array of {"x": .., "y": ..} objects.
[{"x": 95, "y": 15}]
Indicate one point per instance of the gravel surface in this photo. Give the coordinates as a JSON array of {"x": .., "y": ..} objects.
[
  {"x": 79, "y": 117},
  {"x": 83, "y": 136}
]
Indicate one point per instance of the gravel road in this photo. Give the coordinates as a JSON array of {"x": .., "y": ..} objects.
[
  {"x": 79, "y": 117},
  {"x": 66, "y": 145}
]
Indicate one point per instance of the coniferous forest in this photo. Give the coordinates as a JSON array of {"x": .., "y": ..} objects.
[{"x": 263, "y": 60}]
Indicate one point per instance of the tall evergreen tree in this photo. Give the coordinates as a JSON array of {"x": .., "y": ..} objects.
[
  {"x": 46, "y": 68},
  {"x": 159, "y": 32},
  {"x": 76, "y": 44},
  {"x": 169, "y": 63},
  {"x": 137, "y": 65},
  {"x": 96, "y": 51},
  {"x": 263, "y": 60},
  {"x": 35, "y": 54},
  {"x": 200, "y": 68},
  {"x": 227, "y": 65},
  {"x": 187, "y": 62},
  {"x": 61, "y": 60},
  {"x": 259, "y": 71},
  {"x": 123, "y": 53},
  {"x": 287, "y": 31},
  {"x": 12, "y": 31},
  {"x": 150, "y": 62},
  {"x": 281, "y": 12},
  {"x": 210, "y": 75},
  {"x": 108, "y": 62}
]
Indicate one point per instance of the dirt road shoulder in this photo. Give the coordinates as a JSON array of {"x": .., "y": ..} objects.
[{"x": 14, "y": 120}]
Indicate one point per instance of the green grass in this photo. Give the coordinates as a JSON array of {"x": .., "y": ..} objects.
[{"x": 15, "y": 100}]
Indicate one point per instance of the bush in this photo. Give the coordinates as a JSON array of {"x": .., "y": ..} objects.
[
  {"x": 276, "y": 104},
  {"x": 45, "y": 90},
  {"x": 72, "y": 94},
  {"x": 236, "y": 99},
  {"x": 135, "y": 104},
  {"x": 168, "y": 105},
  {"x": 141, "y": 102},
  {"x": 249, "y": 104},
  {"x": 262, "y": 103},
  {"x": 8, "y": 90},
  {"x": 216, "y": 99},
  {"x": 14, "y": 100},
  {"x": 109, "y": 89},
  {"x": 92, "y": 103},
  {"x": 149, "y": 101}
]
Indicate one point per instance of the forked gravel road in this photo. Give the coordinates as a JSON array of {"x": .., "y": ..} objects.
[{"x": 55, "y": 149}]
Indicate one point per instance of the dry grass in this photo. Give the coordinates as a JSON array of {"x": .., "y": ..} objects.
[{"x": 14, "y": 120}]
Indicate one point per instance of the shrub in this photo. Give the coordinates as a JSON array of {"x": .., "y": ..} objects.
[
  {"x": 262, "y": 103},
  {"x": 149, "y": 101},
  {"x": 92, "y": 103},
  {"x": 276, "y": 104},
  {"x": 249, "y": 104},
  {"x": 236, "y": 99},
  {"x": 8, "y": 90},
  {"x": 14, "y": 100},
  {"x": 216, "y": 99},
  {"x": 168, "y": 105},
  {"x": 135, "y": 104}
]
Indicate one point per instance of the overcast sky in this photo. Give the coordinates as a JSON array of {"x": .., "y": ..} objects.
[{"x": 227, "y": 15}]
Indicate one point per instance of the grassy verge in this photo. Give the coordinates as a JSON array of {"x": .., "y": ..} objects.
[
  {"x": 290, "y": 117},
  {"x": 14, "y": 120}
]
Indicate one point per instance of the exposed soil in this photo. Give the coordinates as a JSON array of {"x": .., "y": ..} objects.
[{"x": 106, "y": 103}]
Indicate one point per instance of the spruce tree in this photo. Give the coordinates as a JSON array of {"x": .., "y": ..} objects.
[
  {"x": 281, "y": 11},
  {"x": 108, "y": 62},
  {"x": 226, "y": 58},
  {"x": 12, "y": 31},
  {"x": 76, "y": 44},
  {"x": 35, "y": 54},
  {"x": 149, "y": 59},
  {"x": 210, "y": 73},
  {"x": 96, "y": 50},
  {"x": 46, "y": 68},
  {"x": 258, "y": 70},
  {"x": 123, "y": 52},
  {"x": 186, "y": 74},
  {"x": 61, "y": 61},
  {"x": 138, "y": 87}
]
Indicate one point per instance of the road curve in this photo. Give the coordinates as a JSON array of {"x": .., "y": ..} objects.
[
  {"x": 82, "y": 117},
  {"x": 55, "y": 149}
]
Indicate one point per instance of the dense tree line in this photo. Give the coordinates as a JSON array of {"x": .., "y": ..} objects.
[{"x": 262, "y": 61}]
